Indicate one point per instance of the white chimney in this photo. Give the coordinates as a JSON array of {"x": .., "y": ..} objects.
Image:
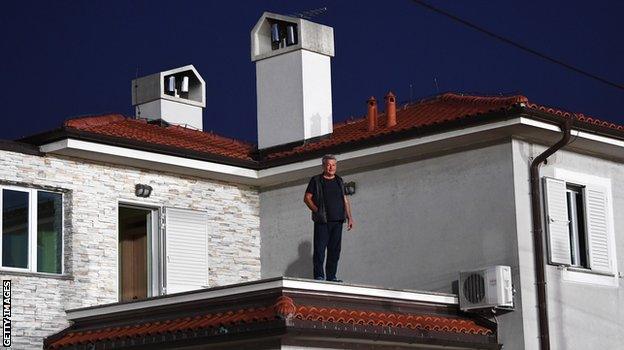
[
  {"x": 293, "y": 79},
  {"x": 176, "y": 96}
]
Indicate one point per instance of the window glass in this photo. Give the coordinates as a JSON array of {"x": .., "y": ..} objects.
[
  {"x": 576, "y": 217},
  {"x": 49, "y": 232},
  {"x": 14, "y": 228}
]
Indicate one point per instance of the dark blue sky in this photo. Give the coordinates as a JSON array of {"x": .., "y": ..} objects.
[{"x": 62, "y": 59}]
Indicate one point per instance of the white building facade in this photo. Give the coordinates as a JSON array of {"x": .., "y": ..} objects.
[
  {"x": 92, "y": 195},
  {"x": 92, "y": 216}
]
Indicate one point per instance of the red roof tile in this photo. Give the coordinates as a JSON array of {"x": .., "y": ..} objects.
[
  {"x": 445, "y": 108},
  {"x": 580, "y": 116},
  {"x": 438, "y": 110},
  {"x": 284, "y": 307},
  {"x": 116, "y": 125}
]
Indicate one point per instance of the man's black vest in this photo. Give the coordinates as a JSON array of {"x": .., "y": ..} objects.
[{"x": 320, "y": 216}]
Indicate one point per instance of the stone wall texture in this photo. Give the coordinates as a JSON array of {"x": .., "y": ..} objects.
[{"x": 92, "y": 193}]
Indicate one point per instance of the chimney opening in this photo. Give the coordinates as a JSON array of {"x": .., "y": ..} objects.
[
  {"x": 283, "y": 34},
  {"x": 291, "y": 38},
  {"x": 171, "y": 82},
  {"x": 275, "y": 37},
  {"x": 390, "y": 109},
  {"x": 185, "y": 84}
]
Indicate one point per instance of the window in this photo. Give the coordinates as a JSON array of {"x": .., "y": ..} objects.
[
  {"x": 31, "y": 230},
  {"x": 168, "y": 259},
  {"x": 579, "y": 222}
]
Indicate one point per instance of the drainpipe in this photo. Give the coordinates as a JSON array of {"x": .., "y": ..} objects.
[{"x": 538, "y": 234}]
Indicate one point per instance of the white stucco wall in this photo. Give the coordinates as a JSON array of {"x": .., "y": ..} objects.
[
  {"x": 172, "y": 112},
  {"x": 294, "y": 97},
  {"x": 94, "y": 191},
  {"x": 417, "y": 225},
  {"x": 583, "y": 315}
]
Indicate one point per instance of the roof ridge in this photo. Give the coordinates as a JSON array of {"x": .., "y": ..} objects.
[
  {"x": 93, "y": 120},
  {"x": 448, "y": 96},
  {"x": 209, "y": 133},
  {"x": 488, "y": 99}
]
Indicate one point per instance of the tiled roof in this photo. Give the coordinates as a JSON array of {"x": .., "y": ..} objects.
[
  {"x": 283, "y": 308},
  {"x": 580, "y": 116},
  {"x": 440, "y": 110},
  {"x": 116, "y": 125},
  {"x": 435, "y": 111}
]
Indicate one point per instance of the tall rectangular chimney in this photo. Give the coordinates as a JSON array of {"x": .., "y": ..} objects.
[{"x": 293, "y": 79}]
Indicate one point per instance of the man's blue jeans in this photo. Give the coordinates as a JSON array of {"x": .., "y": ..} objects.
[{"x": 327, "y": 237}]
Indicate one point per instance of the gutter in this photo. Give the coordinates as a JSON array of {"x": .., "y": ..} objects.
[{"x": 538, "y": 244}]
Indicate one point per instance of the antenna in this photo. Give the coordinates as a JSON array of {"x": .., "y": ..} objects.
[
  {"x": 411, "y": 92},
  {"x": 308, "y": 14},
  {"x": 435, "y": 80},
  {"x": 136, "y": 86}
]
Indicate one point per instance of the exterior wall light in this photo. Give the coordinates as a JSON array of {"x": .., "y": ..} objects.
[
  {"x": 141, "y": 190},
  {"x": 350, "y": 188}
]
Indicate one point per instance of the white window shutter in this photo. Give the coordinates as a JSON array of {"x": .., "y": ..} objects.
[
  {"x": 186, "y": 250},
  {"x": 596, "y": 211},
  {"x": 557, "y": 222}
]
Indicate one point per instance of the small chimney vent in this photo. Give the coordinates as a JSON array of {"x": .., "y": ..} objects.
[
  {"x": 391, "y": 119},
  {"x": 171, "y": 85},
  {"x": 371, "y": 115},
  {"x": 176, "y": 96},
  {"x": 275, "y": 36},
  {"x": 291, "y": 38},
  {"x": 185, "y": 84}
]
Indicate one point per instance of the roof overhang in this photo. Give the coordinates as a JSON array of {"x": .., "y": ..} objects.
[
  {"x": 280, "y": 311},
  {"x": 352, "y": 157}
]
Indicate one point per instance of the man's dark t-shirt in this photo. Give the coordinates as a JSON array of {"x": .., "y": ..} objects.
[{"x": 334, "y": 202}]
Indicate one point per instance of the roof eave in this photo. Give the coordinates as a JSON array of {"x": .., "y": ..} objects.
[
  {"x": 578, "y": 125},
  {"x": 67, "y": 133},
  {"x": 284, "y": 307}
]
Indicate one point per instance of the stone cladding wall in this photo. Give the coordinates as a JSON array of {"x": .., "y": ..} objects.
[{"x": 92, "y": 193}]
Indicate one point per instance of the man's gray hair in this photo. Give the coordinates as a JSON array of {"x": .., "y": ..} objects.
[{"x": 327, "y": 157}]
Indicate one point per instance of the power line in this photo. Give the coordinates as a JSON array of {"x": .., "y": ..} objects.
[{"x": 519, "y": 46}]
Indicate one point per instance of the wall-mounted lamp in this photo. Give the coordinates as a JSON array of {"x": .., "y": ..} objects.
[
  {"x": 141, "y": 190},
  {"x": 349, "y": 188}
]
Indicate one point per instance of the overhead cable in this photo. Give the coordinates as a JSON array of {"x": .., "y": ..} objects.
[{"x": 519, "y": 46}]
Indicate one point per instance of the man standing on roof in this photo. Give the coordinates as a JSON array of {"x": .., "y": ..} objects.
[{"x": 326, "y": 198}]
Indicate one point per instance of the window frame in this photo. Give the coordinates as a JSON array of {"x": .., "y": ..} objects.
[
  {"x": 575, "y": 238},
  {"x": 32, "y": 230},
  {"x": 156, "y": 260},
  {"x": 580, "y": 274}
]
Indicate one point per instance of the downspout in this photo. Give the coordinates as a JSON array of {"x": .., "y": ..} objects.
[{"x": 538, "y": 232}]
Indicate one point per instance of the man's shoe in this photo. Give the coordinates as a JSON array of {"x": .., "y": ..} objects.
[
  {"x": 335, "y": 280},
  {"x": 319, "y": 278}
]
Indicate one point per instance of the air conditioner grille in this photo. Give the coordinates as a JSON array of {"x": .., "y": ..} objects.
[{"x": 474, "y": 288}]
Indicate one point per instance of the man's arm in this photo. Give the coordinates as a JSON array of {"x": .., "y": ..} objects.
[
  {"x": 350, "y": 222},
  {"x": 307, "y": 199}
]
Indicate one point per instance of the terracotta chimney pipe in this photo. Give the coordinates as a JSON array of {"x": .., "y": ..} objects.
[
  {"x": 371, "y": 116},
  {"x": 390, "y": 109}
]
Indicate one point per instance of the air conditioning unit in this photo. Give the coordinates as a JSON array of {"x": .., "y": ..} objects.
[{"x": 486, "y": 289}]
